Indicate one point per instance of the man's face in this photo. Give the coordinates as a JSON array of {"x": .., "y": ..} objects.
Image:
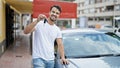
[{"x": 54, "y": 14}]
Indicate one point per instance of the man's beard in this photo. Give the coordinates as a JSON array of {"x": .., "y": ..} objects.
[{"x": 53, "y": 19}]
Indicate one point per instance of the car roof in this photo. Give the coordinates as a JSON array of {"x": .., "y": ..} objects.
[{"x": 84, "y": 30}]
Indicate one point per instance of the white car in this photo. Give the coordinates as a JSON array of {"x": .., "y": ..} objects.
[
  {"x": 88, "y": 48},
  {"x": 117, "y": 31}
]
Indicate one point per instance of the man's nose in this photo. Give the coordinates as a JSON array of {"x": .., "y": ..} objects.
[{"x": 54, "y": 13}]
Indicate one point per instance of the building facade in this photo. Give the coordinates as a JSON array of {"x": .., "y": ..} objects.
[{"x": 99, "y": 12}]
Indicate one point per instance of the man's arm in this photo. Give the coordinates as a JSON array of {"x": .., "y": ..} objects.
[
  {"x": 30, "y": 28},
  {"x": 61, "y": 51}
]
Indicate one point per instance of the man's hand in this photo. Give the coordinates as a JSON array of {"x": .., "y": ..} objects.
[
  {"x": 64, "y": 61},
  {"x": 41, "y": 17}
]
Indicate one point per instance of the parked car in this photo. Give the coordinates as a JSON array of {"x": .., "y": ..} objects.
[
  {"x": 86, "y": 48},
  {"x": 113, "y": 35},
  {"x": 117, "y": 31}
]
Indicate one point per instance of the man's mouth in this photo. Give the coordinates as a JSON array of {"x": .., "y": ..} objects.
[{"x": 53, "y": 16}]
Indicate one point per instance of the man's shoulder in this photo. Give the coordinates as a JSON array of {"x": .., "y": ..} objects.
[{"x": 57, "y": 27}]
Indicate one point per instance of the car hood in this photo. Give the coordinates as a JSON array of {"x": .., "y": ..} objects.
[{"x": 99, "y": 62}]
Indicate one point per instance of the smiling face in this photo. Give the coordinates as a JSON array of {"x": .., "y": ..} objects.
[{"x": 54, "y": 14}]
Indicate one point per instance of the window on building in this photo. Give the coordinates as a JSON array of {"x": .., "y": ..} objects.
[
  {"x": 98, "y": 1},
  {"x": 101, "y": 9},
  {"x": 92, "y": 10},
  {"x": 107, "y": 0},
  {"x": 92, "y": 1},
  {"x": 82, "y": 3},
  {"x": 86, "y": 2},
  {"x": 86, "y": 11},
  {"x": 110, "y": 8},
  {"x": 78, "y": 12},
  {"x": 90, "y": 19},
  {"x": 95, "y": 18},
  {"x": 107, "y": 19},
  {"x": 82, "y": 12},
  {"x": 97, "y": 10},
  {"x": 101, "y": 19},
  {"x": 103, "y": 1},
  {"x": 117, "y": 7}
]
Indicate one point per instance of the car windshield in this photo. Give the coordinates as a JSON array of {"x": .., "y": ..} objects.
[{"x": 87, "y": 44}]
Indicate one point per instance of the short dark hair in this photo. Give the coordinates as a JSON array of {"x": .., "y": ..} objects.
[{"x": 56, "y": 6}]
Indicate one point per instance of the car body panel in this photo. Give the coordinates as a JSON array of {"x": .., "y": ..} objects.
[{"x": 100, "y": 62}]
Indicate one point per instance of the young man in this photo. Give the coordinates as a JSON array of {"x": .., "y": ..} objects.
[{"x": 44, "y": 37}]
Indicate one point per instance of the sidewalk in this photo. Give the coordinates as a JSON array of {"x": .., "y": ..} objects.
[{"x": 17, "y": 55}]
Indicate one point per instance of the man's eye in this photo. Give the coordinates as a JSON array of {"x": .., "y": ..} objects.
[
  {"x": 53, "y": 12},
  {"x": 57, "y": 13}
]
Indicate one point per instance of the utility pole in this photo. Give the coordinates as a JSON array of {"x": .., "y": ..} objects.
[{"x": 114, "y": 1}]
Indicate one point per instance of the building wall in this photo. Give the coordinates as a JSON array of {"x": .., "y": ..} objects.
[
  {"x": 100, "y": 11},
  {"x": 2, "y": 27}
]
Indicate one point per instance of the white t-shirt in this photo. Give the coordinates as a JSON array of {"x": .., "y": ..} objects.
[{"x": 43, "y": 40}]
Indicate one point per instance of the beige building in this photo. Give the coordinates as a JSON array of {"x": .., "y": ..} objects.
[{"x": 99, "y": 12}]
